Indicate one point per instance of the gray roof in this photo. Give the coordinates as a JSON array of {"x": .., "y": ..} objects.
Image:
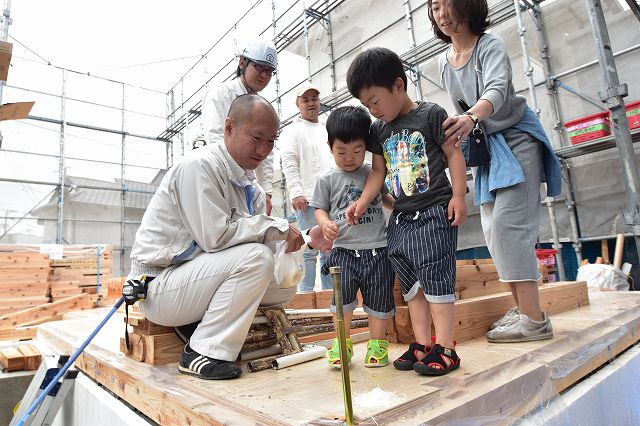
[{"x": 93, "y": 191}]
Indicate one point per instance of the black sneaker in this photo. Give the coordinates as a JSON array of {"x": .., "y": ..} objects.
[
  {"x": 184, "y": 332},
  {"x": 203, "y": 367}
]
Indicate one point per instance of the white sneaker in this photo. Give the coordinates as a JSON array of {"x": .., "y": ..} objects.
[
  {"x": 511, "y": 313},
  {"x": 521, "y": 329}
]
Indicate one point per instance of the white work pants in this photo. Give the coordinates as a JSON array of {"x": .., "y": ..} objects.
[{"x": 222, "y": 290}]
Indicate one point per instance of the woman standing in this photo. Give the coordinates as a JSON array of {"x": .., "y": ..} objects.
[{"x": 476, "y": 69}]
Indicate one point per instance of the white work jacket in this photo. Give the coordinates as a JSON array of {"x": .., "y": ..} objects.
[
  {"x": 305, "y": 156},
  {"x": 201, "y": 206},
  {"x": 215, "y": 108}
]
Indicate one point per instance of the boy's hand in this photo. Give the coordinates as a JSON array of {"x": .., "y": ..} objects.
[
  {"x": 457, "y": 210},
  {"x": 329, "y": 230},
  {"x": 353, "y": 213},
  {"x": 318, "y": 241}
]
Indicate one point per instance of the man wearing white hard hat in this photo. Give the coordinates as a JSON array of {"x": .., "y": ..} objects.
[
  {"x": 257, "y": 62},
  {"x": 306, "y": 156}
]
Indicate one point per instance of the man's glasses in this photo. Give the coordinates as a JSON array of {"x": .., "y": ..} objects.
[{"x": 263, "y": 69}]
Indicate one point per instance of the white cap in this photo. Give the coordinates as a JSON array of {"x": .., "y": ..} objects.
[
  {"x": 306, "y": 86},
  {"x": 262, "y": 52}
]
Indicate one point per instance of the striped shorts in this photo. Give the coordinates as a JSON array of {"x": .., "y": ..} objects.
[
  {"x": 368, "y": 271},
  {"x": 422, "y": 251}
]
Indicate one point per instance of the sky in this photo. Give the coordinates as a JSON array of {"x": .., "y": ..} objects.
[{"x": 146, "y": 44}]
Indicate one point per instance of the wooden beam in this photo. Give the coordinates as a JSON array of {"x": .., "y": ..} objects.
[
  {"x": 18, "y": 333},
  {"x": 47, "y": 310},
  {"x": 11, "y": 359},
  {"x": 32, "y": 357}
]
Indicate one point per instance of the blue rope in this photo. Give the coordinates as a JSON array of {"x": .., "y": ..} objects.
[{"x": 63, "y": 370}]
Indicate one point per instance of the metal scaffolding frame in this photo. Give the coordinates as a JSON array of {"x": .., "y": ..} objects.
[
  {"x": 183, "y": 108},
  {"x": 63, "y": 125}
]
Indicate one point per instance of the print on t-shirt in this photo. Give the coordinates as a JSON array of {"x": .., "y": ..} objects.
[
  {"x": 407, "y": 163},
  {"x": 350, "y": 193}
]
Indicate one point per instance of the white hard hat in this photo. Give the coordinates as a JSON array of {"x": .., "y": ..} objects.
[{"x": 262, "y": 52}]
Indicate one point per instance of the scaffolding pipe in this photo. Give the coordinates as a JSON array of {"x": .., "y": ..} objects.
[
  {"x": 415, "y": 73},
  {"x": 522, "y": 31},
  {"x": 61, "y": 162},
  {"x": 73, "y": 186},
  {"x": 66, "y": 219},
  {"x": 275, "y": 38},
  {"x": 613, "y": 95},
  {"x": 571, "y": 209},
  {"x": 123, "y": 194},
  {"x": 89, "y": 127},
  {"x": 307, "y": 56},
  {"x": 39, "y": 154},
  {"x": 331, "y": 50}
]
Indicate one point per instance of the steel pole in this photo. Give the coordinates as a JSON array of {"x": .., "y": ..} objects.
[
  {"x": 342, "y": 342},
  {"x": 613, "y": 94}
]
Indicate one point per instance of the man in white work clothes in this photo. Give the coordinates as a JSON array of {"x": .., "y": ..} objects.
[
  {"x": 204, "y": 242},
  {"x": 257, "y": 63},
  {"x": 306, "y": 156}
]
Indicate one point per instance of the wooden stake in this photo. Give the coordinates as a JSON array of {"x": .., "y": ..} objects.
[{"x": 617, "y": 257}]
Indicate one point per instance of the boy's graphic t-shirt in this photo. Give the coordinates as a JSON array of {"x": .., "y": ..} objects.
[
  {"x": 334, "y": 192},
  {"x": 416, "y": 165}
]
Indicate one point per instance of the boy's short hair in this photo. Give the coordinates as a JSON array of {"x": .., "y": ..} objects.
[
  {"x": 348, "y": 123},
  {"x": 377, "y": 66},
  {"x": 475, "y": 12}
]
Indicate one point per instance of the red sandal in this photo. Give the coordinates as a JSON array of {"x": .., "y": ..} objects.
[{"x": 406, "y": 360}]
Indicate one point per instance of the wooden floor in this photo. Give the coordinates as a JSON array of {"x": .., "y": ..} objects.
[{"x": 496, "y": 383}]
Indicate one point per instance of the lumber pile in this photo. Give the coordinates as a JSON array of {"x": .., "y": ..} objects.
[
  {"x": 24, "y": 276},
  {"x": 272, "y": 333},
  {"x": 23, "y": 357},
  {"x": 81, "y": 269}
]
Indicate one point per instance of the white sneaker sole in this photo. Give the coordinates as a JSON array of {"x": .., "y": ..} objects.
[{"x": 544, "y": 336}]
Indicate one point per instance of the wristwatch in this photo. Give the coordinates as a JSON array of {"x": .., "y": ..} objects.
[{"x": 474, "y": 117}]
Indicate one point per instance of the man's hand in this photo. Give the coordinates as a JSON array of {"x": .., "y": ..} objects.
[
  {"x": 329, "y": 230},
  {"x": 294, "y": 239},
  {"x": 300, "y": 203},
  {"x": 353, "y": 213},
  {"x": 457, "y": 210},
  {"x": 268, "y": 205},
  {"x": 318, "y": 242}
]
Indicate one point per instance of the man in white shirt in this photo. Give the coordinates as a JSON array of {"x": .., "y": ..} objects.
[
  {"x": 257, "y": 63},
  {"x": 203, "y": 243},
  {"x": 306, "y": 156}
]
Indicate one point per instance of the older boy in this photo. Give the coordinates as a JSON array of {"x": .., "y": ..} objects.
[{"x": 407, "y": 146}]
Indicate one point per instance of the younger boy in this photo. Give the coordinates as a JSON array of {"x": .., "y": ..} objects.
[
  {"x": 360, "y": 251},
  {"x": 407, "y": 146}
]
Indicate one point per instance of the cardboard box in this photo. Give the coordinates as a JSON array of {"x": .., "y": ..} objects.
[{"x": 5, "y": 59}]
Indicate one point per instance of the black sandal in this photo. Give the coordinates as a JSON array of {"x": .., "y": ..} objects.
[
  {"x": 437, "y": 362},
  {"x": 406, "y": 360}
]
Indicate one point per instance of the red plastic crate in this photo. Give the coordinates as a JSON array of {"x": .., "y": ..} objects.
[
  {"x": 587, "y": 128},
  {"x": 633, "y": 114}
]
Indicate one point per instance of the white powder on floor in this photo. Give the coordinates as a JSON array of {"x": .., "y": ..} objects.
[{"x": 376, "y": 399}]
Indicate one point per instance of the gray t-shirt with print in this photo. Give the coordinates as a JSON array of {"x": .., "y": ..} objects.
[
  {"x": 334, "y": 192},
  {"x": 411, "y": 145}
]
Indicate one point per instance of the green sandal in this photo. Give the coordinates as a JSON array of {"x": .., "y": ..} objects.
[
  {"x": 333, "y": 354},
  {"x": 377, "y": 353}
]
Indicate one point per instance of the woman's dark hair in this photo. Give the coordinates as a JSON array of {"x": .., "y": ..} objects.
[
  {"x": 377, "y": 66},
  {"x": 349, "y": 124},
  {"x": 475, "y": 12}
]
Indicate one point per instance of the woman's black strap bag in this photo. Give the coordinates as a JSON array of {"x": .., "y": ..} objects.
[{"x": 475, "y": 149}]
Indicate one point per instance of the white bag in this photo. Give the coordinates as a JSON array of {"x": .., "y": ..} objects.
[
  {"x": 289, "y": 269},
  {"x": 603, "y": 277}
]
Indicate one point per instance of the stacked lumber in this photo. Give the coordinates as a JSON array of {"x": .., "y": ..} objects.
[
  {"x": 155, "y": 344},
  {"x": 82, "y": 269},
  {"x": 24, "y": 274},
  {"x": 23, "y": 357}
]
